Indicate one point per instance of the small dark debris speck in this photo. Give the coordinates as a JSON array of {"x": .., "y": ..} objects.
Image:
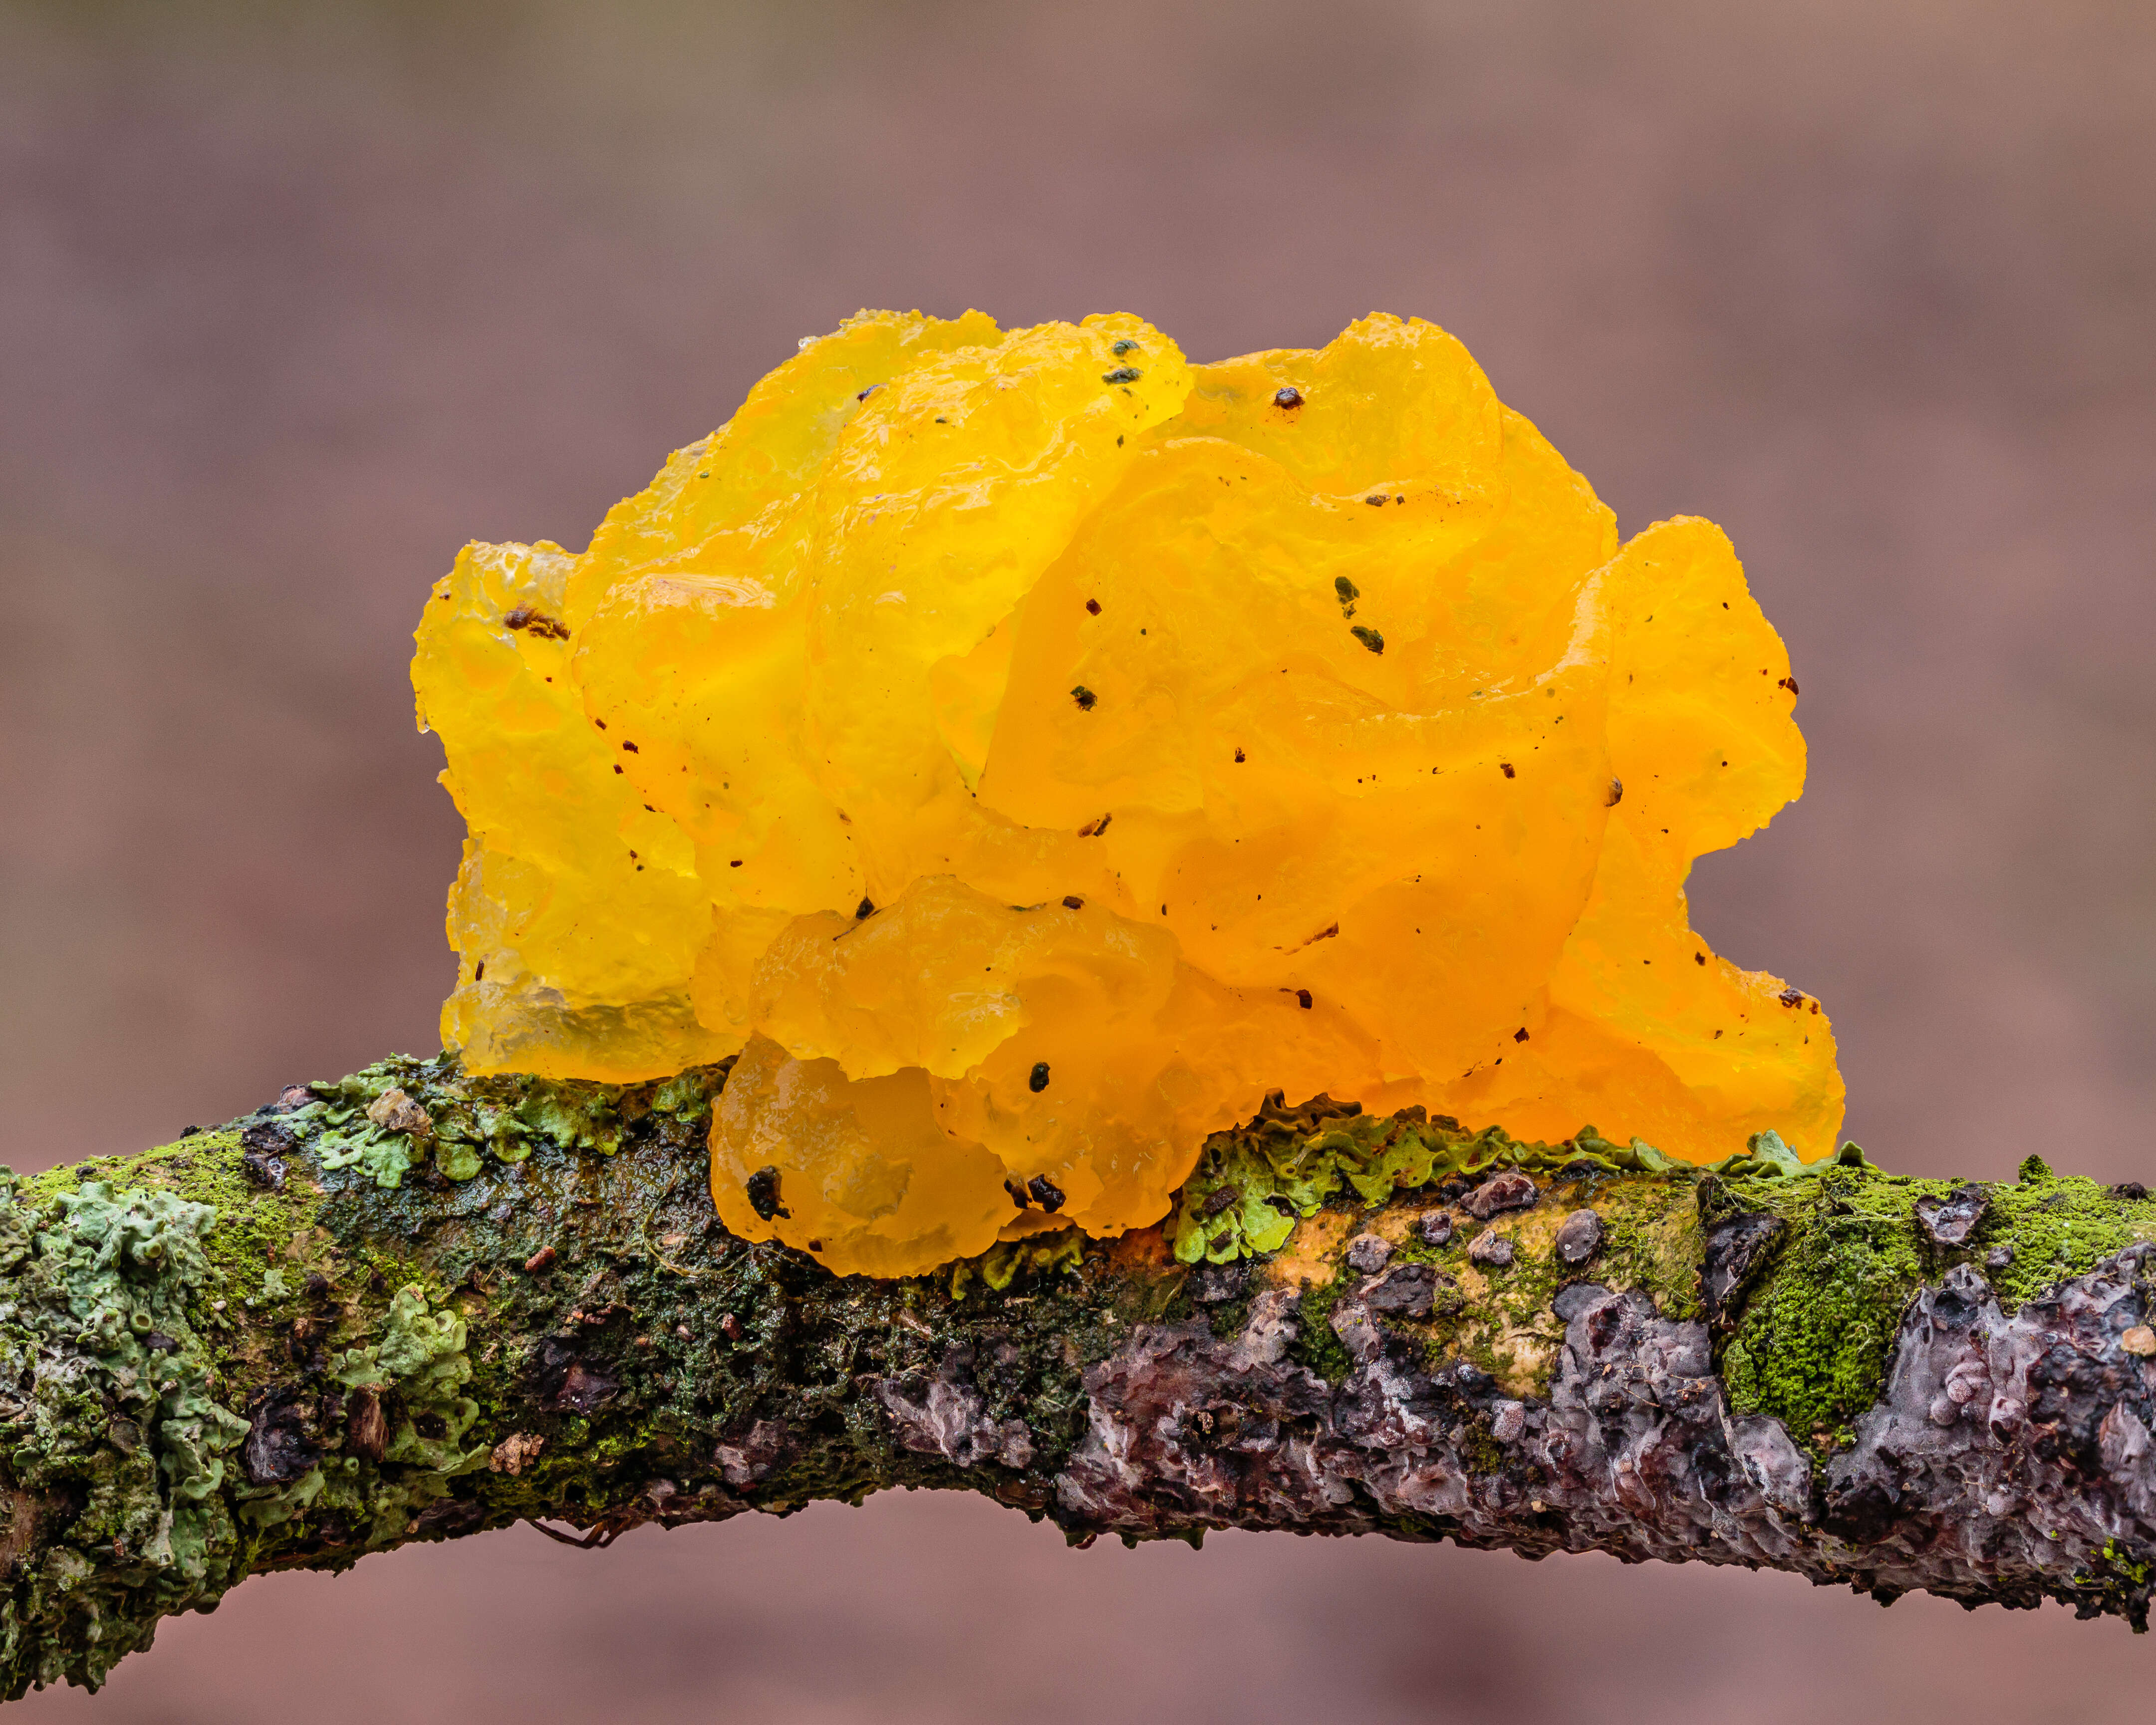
[
  {"x": 1084, "y": 697},
  {"x": 275, "y": 1451},
  {"x": 761, "y": 1188},
  {"x": 1376, "y": 500},
  {"x": 1372, "y": 639},
  {"x": 567, "y": 1384},
  {"x": 1121, "y": 374},
  {"x": 1037, "y": 1080},
  {"x": 1045, "y": 1193},
  {"x": 1520, "y": 1035},
  {"x": 535, "y": 623},
  {"x": 1072, "y": 901},
  {"x": 1093, "y": 607},
  {"x": 367, "y": 1428},
  {"x": 1289, "y": 396},
  {"x": 1791, "y": 997},
  {"x": 1616, "y": 793},
  {"x": 1506, "y": 768},
  {"x": 1302, "y": 998},
  {"x": 864, "y": 909}
]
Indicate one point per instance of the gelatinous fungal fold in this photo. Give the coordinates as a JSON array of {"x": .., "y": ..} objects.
[{"x": 1024, "y": 749}]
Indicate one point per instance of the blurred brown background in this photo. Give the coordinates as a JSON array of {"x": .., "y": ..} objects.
[{"x": 293, "y": 300}]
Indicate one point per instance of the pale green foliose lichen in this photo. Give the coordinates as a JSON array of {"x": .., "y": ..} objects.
[
  {"x": 389, "y": 1118},
  {"x": 421, "y": 1355}
]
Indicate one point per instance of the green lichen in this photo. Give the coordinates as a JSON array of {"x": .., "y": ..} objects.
[
  {"x": 117, "y": 1411},
  {"x": 421, "y": 1355},
  {"x": 147, "y": 1303},
  {"x": 1004, "y": 1262},
  {"x": 384, "y": 1158},
  {"x": 256, "y": 1227},
  {"x": 470, "y": 1121},
  {"x": 1500, "y": 1318},
  {"x": 2116, "y": 1582},
  {"x": 1253, "y": 1183},
  {"x": 2123, "y": 1566}
]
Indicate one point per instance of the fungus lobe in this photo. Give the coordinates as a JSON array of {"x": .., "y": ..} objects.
[{"x": 948, "y": 620}]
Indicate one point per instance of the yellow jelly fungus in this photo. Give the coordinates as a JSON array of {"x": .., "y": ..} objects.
[{"x": 1025, "y": 750}]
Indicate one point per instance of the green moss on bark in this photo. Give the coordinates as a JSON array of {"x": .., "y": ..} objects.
[{"x": 1812, "y": 1345}]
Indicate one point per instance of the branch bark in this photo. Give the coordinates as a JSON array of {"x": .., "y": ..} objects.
[{"x": 415, "y": 1306}]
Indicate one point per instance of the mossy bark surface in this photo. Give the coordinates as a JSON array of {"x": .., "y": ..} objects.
[{"x": 414, "y": 1305}]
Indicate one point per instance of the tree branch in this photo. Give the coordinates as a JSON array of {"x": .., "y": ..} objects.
[{"x": 413, "y": 1306}]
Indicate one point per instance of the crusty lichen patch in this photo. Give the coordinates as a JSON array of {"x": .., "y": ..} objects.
[{"x": 1496, "y": 1314}]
